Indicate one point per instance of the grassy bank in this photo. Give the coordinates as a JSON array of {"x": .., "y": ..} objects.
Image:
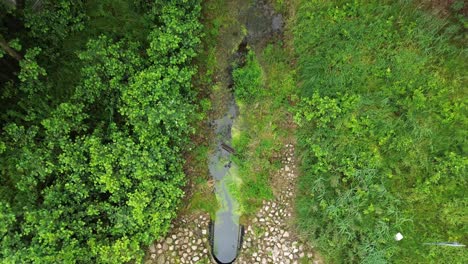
[
  {"x": 263, "y": 87},
  {"x": 382, "y": 132}
]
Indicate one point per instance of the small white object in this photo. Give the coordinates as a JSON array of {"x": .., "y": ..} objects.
[{"x": 398, "y": 236}]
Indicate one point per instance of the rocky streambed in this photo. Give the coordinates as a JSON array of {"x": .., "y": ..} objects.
[{"x": 268, "y": 238}]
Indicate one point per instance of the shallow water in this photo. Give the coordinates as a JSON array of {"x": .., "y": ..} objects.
[
  {"x": 226, "y": 228},
  {"x": 261, "y": 23}
]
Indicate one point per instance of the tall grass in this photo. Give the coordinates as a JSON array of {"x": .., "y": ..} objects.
[{"x": 382, "y": 132}]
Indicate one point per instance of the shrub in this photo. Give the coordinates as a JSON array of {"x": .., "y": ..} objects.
[
  {"x": 248, "y": 79},
  {"x": 94, "y": 176}
]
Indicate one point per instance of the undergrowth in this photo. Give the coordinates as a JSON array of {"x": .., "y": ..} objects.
[{"x": 382, "y": 132}]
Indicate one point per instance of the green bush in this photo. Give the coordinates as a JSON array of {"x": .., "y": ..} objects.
[
  {"x": 94, "y": 176},
  {"x": 248, "y": 79},
  {"x": 381, "y": 132}
]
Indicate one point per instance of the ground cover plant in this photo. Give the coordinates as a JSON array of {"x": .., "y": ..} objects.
[
  {"x": 263, "y": 86},
  {"x": 96, "y": 106},
  {"x": 382, "y": 132}
]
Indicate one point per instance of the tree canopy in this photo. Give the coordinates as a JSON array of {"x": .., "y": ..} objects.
[{"x": 96, "y": 104}]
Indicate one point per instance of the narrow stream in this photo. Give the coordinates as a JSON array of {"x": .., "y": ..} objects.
[
  {"x": 226, "y": 231},
  {"x": 261, "y": 23}
]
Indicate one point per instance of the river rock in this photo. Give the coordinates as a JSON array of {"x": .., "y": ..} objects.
[
  {"x": 161, "y": 260},
  {"x": 152, "y": 248}
]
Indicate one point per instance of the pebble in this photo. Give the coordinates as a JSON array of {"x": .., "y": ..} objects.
[{"x": 152, "y": 248}]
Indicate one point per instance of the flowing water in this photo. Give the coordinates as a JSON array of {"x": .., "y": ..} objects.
[{"x": 261, "y": 23}]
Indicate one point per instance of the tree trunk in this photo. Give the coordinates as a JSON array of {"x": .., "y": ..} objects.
[{"x": 4, "y": 45}]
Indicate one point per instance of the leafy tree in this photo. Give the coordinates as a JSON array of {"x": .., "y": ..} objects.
[{"x": 93, "y": 176}]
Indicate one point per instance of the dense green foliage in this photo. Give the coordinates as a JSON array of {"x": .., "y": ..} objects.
[
  {"x": 382, "y": 132},
  {"x": 248, "y": 79},
  {"x": 94, "y": 118}
]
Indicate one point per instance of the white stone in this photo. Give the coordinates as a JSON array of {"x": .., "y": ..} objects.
[
  {"x": 196, "y": 258},
  {"x": 152, "y": 248},
  {"x": 398, "y": 236},
  {"x": 286, "y": 234}
]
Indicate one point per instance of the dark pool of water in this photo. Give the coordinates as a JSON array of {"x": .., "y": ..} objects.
[{"x": 261, "y": 23}]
